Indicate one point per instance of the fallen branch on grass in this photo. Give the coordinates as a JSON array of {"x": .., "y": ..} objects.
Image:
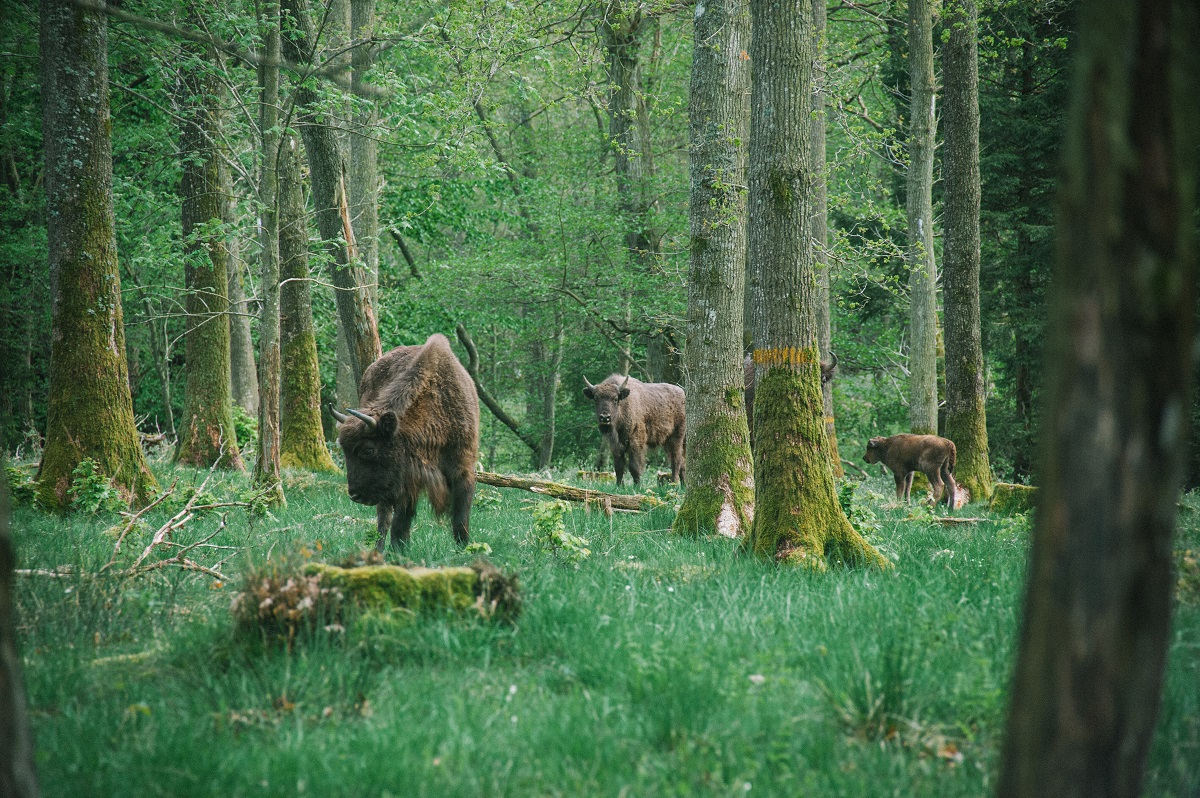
[
  {"x": 60, "y": 572},
  {"x": 606, "y": 501},
  {"x": 952, "y": 521}
]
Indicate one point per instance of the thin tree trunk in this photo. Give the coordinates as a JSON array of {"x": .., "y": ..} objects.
[
  {"x": 966, "y": 393},
  {"x": 821, "y": 235},
  {"x": 797, "y": 518},
  {"x": 243, "y": 372},
  {"x": 364, "y": 170},
  {"x": 303, "y": 437},
  {"x": 267, "y": 469},
  {"x": 328, "y": 172},
  {"x": 1097, "y": 615},
  {"x": 922, "y": 343},
  {"x": 207, "y": 435},
  {"x": 719, "y": 465},
  {"x": 18, "y": 776},
  {"x": 90, "y": 410}
]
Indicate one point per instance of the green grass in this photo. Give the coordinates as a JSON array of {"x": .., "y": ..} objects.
[{"x": 659, "y": 665}]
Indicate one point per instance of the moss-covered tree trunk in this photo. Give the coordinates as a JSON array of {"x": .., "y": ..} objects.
[
  {"x": 922, "y": 284},
  {"x": 1097, "y": 617},
  {"x": 303, "y": 438},
  {"x": 89, "y": 407},
  {"x": 328, "y": 171},
  {"x": 966, "y": 392},
  {"x": 18, "y": 776},
  {"x": 797, "y": 518},
  {"x": 821, "y": 234},
  {"x": 267, "y": 468},
  {"x": 206, "y": 432},
  {"x": 720, "y": 471}
]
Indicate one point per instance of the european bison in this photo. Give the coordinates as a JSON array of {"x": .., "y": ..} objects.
[
  {"x": 827, "y": 370},
  {"x": 417, "y": 429},
  {"x": 906, "y": 454},
  {"x": 634, "y": 416}
]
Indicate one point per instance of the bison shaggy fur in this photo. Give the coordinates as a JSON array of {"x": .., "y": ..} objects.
[
  {"x": 635, "y": 416},
  {"x": 906, "y": 454},
  {"x": 416, "y": 430}
]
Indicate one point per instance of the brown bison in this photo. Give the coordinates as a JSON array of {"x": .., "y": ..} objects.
[
  {"x": 827, "y": 370},
  {"x": 417, "y": 429},
  {"x": 634, "y": 416},
  {"x": 906, "y": 454}
]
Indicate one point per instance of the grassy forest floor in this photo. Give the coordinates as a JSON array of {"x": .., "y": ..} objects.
[{"x": 659, "y": 665}]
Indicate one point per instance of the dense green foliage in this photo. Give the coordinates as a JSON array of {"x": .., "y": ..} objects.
[{"x": 667, "y": 664}]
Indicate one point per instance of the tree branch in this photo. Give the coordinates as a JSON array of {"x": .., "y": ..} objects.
[{"x": 464, "y": 338}]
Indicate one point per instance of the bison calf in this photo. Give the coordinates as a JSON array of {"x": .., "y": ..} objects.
[
  {"x": 906, "y": 454},
  {"x": 634, "y": 416},
  {"x": 417, "y": 430}
]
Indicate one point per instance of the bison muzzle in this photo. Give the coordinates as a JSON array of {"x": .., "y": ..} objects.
[
  {"x": 906, "y": 454},
  {"x": 634, "y": 416},
  {"x": 416, "y": 430}
]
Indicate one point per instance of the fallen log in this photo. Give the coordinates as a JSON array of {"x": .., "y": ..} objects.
[
  {"x": 556, "y": 490},
  {"x": 950, "y": 520}
]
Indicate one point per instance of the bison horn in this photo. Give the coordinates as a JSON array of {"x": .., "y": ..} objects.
[
  {"x": 359, "y": 414},
  {"x": 341, "y": 417},
  {"x": 626, "y": 382},
  {"x": 833, "y": 359},
  {"x": 588, "y": 384}
]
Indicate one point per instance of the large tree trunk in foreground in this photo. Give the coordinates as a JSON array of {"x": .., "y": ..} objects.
[
  {"x": 1097, "y": 616},
  {"x": 720, "y": 470},
  {"x": 966, "y": 392},
  {"x": 922, "y": 284},
  {"x": 90, "y": 410},
  {"x": 18, "y": 777},
  {"x": 821, "y": 236},
  {"x": 206, "y": 435},
  {"x": 328, "y": 168},
  {"x": 797, "y": 518},
  {"x": 267, "y": 469},
  {"x": 303, "y": 438}
]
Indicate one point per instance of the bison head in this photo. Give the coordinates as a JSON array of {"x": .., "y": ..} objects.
[
  {"x": 607, "y": 396},
  {"x": 827, "y": 369},
  {"x": 369, "y": 445},
  {"x": 874, "y": 450}
]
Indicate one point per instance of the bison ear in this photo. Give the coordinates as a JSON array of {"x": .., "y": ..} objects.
[
  {"x": 387, "y": 424},
  {"x": 589, "y": 393},
  {"x": 623, "y": 394}
]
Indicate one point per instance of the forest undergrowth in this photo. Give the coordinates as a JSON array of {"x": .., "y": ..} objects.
[{"x": 653, "y": 665}]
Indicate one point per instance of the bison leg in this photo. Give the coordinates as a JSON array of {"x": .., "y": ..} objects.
[
  {"x": 619, "y": 465},
  {"x": 676, "y": 457},
  {"x": 383, "y": 523},
  {"x": 906, "y": 486},
  {"x": 935, "y": 487},
  {"x": 402, "y": 523},
  {"x": 460, "y": 511},
  {"x": 951, "y": 485},
  {"x": 901, "y": 491},
  {"x": 637, "y": 464}
]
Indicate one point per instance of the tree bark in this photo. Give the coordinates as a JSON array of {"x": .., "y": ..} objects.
[
  {"x": 719, "y": 465},
  {"x": 1097, "y": 614},
  {"x": 303, "y": 438},
  {"x": 797, "y": 518},
  {"x": 364, "y": 167},
  {"x": 328, "y": 171},
  {"x": 90, "y": 410},
  {"x": 821, "y": 235},
  {"x": 966, "y": 392},
  {"x": 207, "y": 434},
  {"x": 922, "y": 285},
  {"x": 243, "y": 372},
  {"x": 267, "y": 469},
  {"x": 18, "y": 776},
  {"x": 609, "y": 501}
]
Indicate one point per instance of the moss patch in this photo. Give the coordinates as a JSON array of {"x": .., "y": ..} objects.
[
  {"x": 720, "y": 484},
  {"x": 1011, "y": 499}
]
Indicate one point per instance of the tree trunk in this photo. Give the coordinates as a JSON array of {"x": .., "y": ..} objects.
[
  {"x": 18, "y": 776},
  {"x": 364, "y": 168},
  {"x": 328, "y": 169},
  {"x": 243, "y": 372},
  {"x": 1097, "y": 616},
  {"x": 267, "y": 469},
  {"x": 90, "y": 410},
  {"x": 303, "y": 437},
  {"x": 966, "y": 393},
  {"x": 797, "y": 518},
  {"x": 922, "y": 285},
  {"x": 719, "y": 466},
  {"x": 541, "y": 391},
  {"x": 207, "y": 434},
  {"x": 821, "y": 236}
]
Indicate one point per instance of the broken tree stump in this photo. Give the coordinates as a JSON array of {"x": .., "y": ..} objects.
[{"x": 556, "y": 490}]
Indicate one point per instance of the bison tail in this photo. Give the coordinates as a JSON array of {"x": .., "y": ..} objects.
[
  {"x": 952, "y": 460},
  {"x": 439, "y": 492}
]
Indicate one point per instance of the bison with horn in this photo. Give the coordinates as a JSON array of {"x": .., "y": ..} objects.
[
  {"x": 416, "y": 430},
  {"x": 634, "y": 416}
]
